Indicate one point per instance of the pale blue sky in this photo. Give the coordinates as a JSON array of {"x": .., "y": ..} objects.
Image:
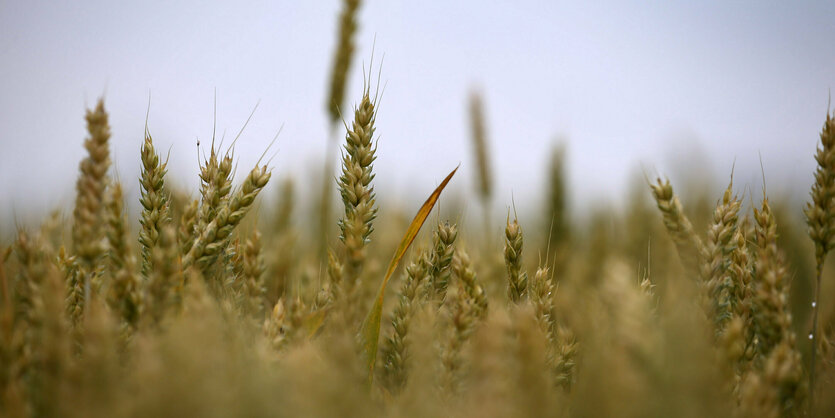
[{"x": 657, "y": 84}]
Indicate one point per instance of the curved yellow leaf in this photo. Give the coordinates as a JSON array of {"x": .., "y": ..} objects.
[{"x": 370, "y": 330}]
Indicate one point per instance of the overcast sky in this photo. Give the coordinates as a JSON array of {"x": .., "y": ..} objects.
[{"x": 625, "y": 84}]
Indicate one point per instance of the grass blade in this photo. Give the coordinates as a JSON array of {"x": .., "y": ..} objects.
[{"x": 370, "y": 330}]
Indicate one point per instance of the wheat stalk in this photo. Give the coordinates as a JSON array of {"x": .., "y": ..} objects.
[
  {"x": 274, "y": 326},
  {"x": 356, "y": 190},
  {"x": 529, "y": 361},
  {"x": 26, "y": 306},
  {"x": 188, "y": 227},
  {"x": 719, "y": 248},
  {"x": 517, "y": 277},
  {"x": 561, "y": 346},
  {"x": 462, "y": 269},
  {"x": 740, "y": 273},
  {"x": 556, "y": 214},
  {"x": 688, "y": 244},
  {"x": 440, "y": 259},
  {"x": 33, "y": 264},
  {"x": 87, "y": 231},
  {"x": 51, "y": 354},
  {"x": 344, "y": 53},
  {"x": 772, "y": 319},
  {"x": 155, "y": 203},
  {"x": 215, "y": 187},
  {"x": 336, "y": 274},
  {"x": 342, "y": 59},
  {"x": 462, "y": 319},
  {"x": 479, "y": 135},
  {"x": 215, "y": 235},
  {"x": 166, "y": 278},
  {"x": 253, "y": 276},
  {"x": 395, "y": 352},
  {"x": 124, "y": 295},
  {"x": 282, "y": 256},
  {"x": 820, "y": 216},
  {"x": 76, "y": 296}
]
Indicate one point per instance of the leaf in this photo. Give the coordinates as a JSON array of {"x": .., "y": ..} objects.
[{"x": 370, "y": 329}]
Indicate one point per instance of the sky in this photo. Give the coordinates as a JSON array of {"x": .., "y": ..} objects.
[{"x": 673, "y": 88}]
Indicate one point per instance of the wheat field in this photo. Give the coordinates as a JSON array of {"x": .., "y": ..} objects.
[{"x": 218, "y": 301}]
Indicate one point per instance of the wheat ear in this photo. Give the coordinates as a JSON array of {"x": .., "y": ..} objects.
[
  {"x": 155, "y": 202},
  {"x": 87, "y": 230},
  {"x": 253, "y": 275},
  {"x": 462, "y": 269},
  {"x": 517, "y": 277},
  {"x": 166, "y": 278},
  {"x": 820, "y": 216},
  {"x": 188, "y": 227},
  {"x": 343, "y": 57},
  {"x": 124, "y": 294},
  {"x": 687, "y": 243},
  {"x": 719, "y": 248},
  {"x": 215, "y": 235},
  {"x": 356, "y": 190},
  {"x": 440, "y": 260},
  {"x": 395, "y": 350}
]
